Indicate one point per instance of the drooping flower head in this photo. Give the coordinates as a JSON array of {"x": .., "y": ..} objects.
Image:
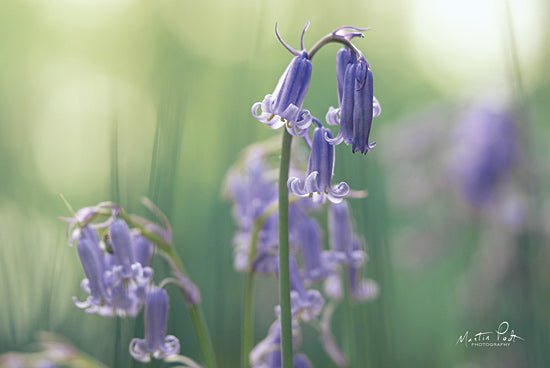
[
  {"x": 319, "y": 173},
  {"x": 92, "y": 261},
  {"x": 116, "y": 282},
  {"x": 284, "y": 105},
  {"x": 362, "y": 107},
  {"x": 316, "y": 263},
  {"x": 156, "y": 342},
  {"x": 357, "y": 104}
]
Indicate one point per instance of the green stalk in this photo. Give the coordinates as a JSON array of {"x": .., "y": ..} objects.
[
  {"x": 248, "y": 319},
  {"x": 284, "y": 267},
  {"x": 197, "y": 316},
  {"x": 248, "y": 312}
]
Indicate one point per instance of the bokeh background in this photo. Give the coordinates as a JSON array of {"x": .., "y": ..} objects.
[{"x": 123, "y": 99}]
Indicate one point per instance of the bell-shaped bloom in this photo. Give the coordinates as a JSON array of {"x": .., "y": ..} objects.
[
  {"x": 362, "y": 107},
  {"x": 121, "y": 242},
  {"x": 315, "y": 261},
  {"x": 156, "y": 342},
  {"x": 126, "y": 295},
  {"x": 342, "y": 237},
  {"x": 305, "y": 304},
  {"x": 143, "y": 250},
  {"x": 94, "y": 268},
  {"x": 284, "y": 105},
  {"x": 319, "y": 173},
  {"x": 357, "y": 104}
]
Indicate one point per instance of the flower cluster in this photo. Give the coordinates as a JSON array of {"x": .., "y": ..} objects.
[
  {"x": 254, "y": 191},
  {"x": 251, "y": 186},
  {"x": 119, "y": 278},
  {"x": 357, "y": 107}
]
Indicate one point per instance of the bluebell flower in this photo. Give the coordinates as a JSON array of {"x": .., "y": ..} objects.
[
  {"x": 342, "y": 237},
  {"x": 316, "y": 263},
  {"x": 319, "y": 173},
  {"x": 121, "y": 242},
  {"x": 94, "y": 268},
  {"x": 284, "y": 105},
  {"x": 156, "y": 342},
  {"x": 267, "y": 353},
  {"x": 118, "y": 282},
  {"x": 357, "y": 104},
  {"x": 363, "y": 105},
  {"x": 485, "y": 149},
  {"x": 305, "y": 304},
  {"x": 143, "y": 250}
]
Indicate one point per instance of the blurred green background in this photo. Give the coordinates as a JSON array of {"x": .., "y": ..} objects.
[{"x": 120, "y": 99}]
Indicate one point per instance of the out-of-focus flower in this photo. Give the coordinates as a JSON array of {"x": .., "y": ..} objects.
[
  {"x": 117, "y": 283},
  {"x": 342, "y": 237},
  {"x": 267, "y": 353},
  {"x": 51, "y": 351},
  {"x": 94, "y": 268},
  {"x": 320, "y": 169},
  {"x": 316, "y": 263},
  {"x": 485, "y": 149},
  {"x": 329, "y": 343},
  {"x": 156, "y": 342},
  {"x": 361, "y": 289},
  {"x": 305, "y": 304}
]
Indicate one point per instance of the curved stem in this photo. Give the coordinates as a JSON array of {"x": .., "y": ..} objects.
[
  {"x": 328, "y": 39},
  {"x": 284, "y": 253}
]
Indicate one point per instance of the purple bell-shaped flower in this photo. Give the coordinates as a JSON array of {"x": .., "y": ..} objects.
[
  {"x": 319, "y": 173},
  {"x": 156, "y": 343}
]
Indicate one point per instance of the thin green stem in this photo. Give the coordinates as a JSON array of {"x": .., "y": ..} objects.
[
  {"x": 284, "y": 254},
  {"x": 248, "y": 319},
  {"x": 201, "y": 330},
  {"x": 328, "y": 39},
  {"x": 248, "y": 312},
  {"x": 196, "y": 314}
]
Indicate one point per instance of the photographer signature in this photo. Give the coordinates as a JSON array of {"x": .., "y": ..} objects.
[{"x": 498, "y": 337}]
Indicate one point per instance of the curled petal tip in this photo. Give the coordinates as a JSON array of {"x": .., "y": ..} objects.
[{"x": 348, "y": 32}]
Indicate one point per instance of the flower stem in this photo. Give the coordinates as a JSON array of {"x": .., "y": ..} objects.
[
  {"x": 284, "y": 268},
  {"x": 248, "y": 312},
  {"x": 195, "y": 310},
  {"x": 201, "y": 330},
  {"x": 248, "y": 319},
  {"x": 332, "y": 38},
  {"x": 197, "y": 316}
]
